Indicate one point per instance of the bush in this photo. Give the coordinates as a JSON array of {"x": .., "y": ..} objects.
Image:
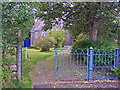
[
  {"x": 37, "y": 42},
  {"x": 58, "y": 36},
  {"x": 45, "y": 43},
  {"x": 6, "y": 75},
  {"x": 95, "y": 44}
]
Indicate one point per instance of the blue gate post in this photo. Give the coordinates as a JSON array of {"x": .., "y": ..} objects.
[
  {"x": 21, "y": 60},
  {"x": 91, "y": 63},
  {"x": 87, "y": 62},
  {"x": 56, "y": 64},
  {"x": 117, "y": 62}
]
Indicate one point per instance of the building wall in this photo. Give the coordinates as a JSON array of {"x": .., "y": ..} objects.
[
  {"x": 68, "y": 38},
  {"x": 32, "y": 38}
]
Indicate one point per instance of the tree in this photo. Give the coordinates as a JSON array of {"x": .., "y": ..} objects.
[
  {"x": 84, "y": 16},
  {"x": 108, "y": 31},
  {"x": 119, "y": 27},
  {"x": 58, "y": 35},
  {"x": 15, "y": 15}
]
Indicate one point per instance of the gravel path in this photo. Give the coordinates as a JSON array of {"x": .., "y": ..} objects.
[
  {"x": 79, "y": 84},
  {"x": 43, "y": 77}
]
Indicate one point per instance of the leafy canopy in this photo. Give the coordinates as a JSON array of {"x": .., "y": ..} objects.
[{"x": 78, "y": 15}]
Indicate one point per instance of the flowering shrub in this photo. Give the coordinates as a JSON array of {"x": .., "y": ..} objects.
[{"x": 44, "y": 42}]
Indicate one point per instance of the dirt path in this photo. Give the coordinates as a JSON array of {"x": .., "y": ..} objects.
[
  {"x": 43, "y": 72},
  {"x": 43, "y": 77}
]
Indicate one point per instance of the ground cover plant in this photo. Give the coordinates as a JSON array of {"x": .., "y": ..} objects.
[{"x": 117, "y": 71}]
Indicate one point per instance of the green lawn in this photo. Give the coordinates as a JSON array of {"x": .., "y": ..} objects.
[{"x": 34, "y": 56}]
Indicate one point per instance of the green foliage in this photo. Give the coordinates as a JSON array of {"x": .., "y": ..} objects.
[
  {"x": 58, "y": 35},
  {"x": 108, "y": 30},
  {"x": 117, "y": 71},
  {"x": 17, "y": 83},
  {"x": 6, "y": 73},
  {"x": 83, "y": 36},
  {"x": 77, "y": 29},
  {"x": 86, "y": 43},
  {"x": 105, "y": 44},
  {"x": 13, "y": 84},
  {"x": 11, "y": 51},
  {"x": 16, "y": 16},
  {"x": 34, "y": 57},
  {"x": 32, "y": 46},
  {"x": 79, "y": 15},
  {"x": 44, "y": 42},
  {"x": 9, "y": 60}
]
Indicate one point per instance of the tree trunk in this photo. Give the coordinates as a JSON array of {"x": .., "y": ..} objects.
[
  {"x": 18, "y": 57},
  {"x": 119, "y": 37},
  {"x": 3, "y": 53},
  {"x": 93, "y": 30}
]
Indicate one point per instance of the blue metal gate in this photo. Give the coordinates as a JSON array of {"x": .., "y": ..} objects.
[{"x": 85, "y": 64}]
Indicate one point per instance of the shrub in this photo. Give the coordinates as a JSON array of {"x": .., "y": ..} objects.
[
  {"x": 6, "y": 75},
  {"x": 58, "y": 35},
  {"x": 37, "y": 42},
  {"x": 45, "y": 43},
  {"x": 96, "y": 45}
]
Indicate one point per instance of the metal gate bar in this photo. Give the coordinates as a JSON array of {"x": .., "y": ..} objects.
[{"x": 89, "y": 64}]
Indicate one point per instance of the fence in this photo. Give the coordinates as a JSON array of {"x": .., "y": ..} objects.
[{"x": 87, "y": 64}]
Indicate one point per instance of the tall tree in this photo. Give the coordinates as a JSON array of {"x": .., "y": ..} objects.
[
  {"x": 15, "y": 15},
  {"x": 119, "y": 27},
  {"x": 86, "y": 16}
]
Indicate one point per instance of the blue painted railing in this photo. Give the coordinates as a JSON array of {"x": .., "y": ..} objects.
[{"x": 89, "y": 64}]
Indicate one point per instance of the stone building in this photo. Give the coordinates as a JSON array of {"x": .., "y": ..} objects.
[{"x": 37, "y": 30}]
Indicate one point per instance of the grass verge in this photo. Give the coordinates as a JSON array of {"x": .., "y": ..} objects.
[{"x": 34, "y": 56}]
